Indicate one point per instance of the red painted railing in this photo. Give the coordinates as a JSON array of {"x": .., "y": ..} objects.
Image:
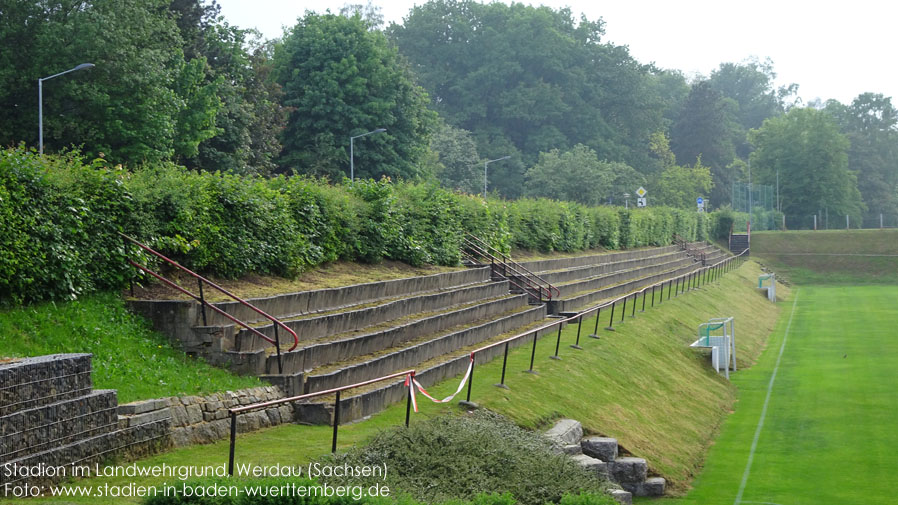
[{"x": 203, "y": 303}]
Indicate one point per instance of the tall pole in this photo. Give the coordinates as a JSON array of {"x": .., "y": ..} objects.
[
  {"x": 352, "y": 151},
  {"x": 485, "y": 163},
  {"x": 40, "y": 102},
  {"x": 40, "y": 114}
]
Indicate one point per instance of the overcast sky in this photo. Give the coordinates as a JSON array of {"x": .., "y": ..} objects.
[{"x": 831, "y": 50}]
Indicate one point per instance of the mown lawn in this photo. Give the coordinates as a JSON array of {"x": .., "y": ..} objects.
[
  {"x": 128, "y": 355},
  {"x": 830, "y": 428}
]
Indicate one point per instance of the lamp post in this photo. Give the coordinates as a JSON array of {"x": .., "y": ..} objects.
[
  {"x": 484, "y": 171},
  {"x": 351, "y": 153},
  {"x": 40, "y": 101}
]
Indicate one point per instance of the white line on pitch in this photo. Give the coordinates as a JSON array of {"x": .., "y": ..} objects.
[{"x": 754, "y": 442}]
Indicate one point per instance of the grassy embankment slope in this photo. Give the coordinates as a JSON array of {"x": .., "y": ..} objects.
[
  {"x": 641, "y": 384},
  {"x": 830, "y": 257}
]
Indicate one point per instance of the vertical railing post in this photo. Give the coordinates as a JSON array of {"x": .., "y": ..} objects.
[
  {"x": 233, "y": 444},
  {"x": 277, "y": 345},
  {"x": 653, "y": 295},
  {"x": 633, "y": 310},
  {"x": 669, "y": 285},
  {"x": 470, "y": 379},
  {"x": 557, "y": 342},
  {"x": 336, "y": 422},
  {"x": 623, "y": 311},
  {"x": 677, "y": 290},
  {"x": 610, "y": 326},
  {"x": 501, "y": 383},
  {"x": 533, "y": 352},
  {"x": 202, "y": 302},
  {"x": 595, "y": 331},
  {"x": 643, "y": 300},
  {"x": 408, "y": 399},
  {"x": 579, "y": 325}
]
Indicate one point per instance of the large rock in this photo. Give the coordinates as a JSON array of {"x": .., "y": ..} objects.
[
  {"x": 597, "y": 466},
  {"x": 621, "y": 496},
  {"x": 629, "y": 471},
  {"x": 566, "y": 432},
  {"x": 604, "y": 448},
  {"x": 651, "y": 487}
]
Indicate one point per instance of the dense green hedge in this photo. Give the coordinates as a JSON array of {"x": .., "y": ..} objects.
[{"x": 60, "y": 216}]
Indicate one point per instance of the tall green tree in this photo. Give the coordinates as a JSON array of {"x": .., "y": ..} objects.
[
  {"x": 458, "y": 166},
  {"x": 528, "y": 80},
  {"x": 140, "y": 103},
  {"x": 706, "y": 129},
  {"x": 811, "y": 156},
  {"x": 576, "y": 175},
  {"x": 870, "y": 123},
  {"x": 247, "y": 126},
  {"x": 341, "y": 79}
]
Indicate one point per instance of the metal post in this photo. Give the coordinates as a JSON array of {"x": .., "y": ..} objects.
[
  {"x": 623, "y": 311},
  {"x": 470, "y": 379},
  {"x": 40, "y": 115},
  {"x": 610, "y": 326},
  {"x": 202, "y": 301},
  {"x": 579, "y": 325},
  {"x": 533, "y": 353},
  {"x": 643, "y": 301},
  {"x": 336, "y": 421},
  {"x": 633, "y": 310},
  {"x": 408, "y": 399},
  {"x": 669, "y": 285},
  {"x": 351, "y": 160},
  {"x": 595, "y": 331},
  {"x": 233, "y": 444},
  {"x": 557, "y": 343},
  {"x": 501, "y": 383},
  {"x": 676, "y": 291},
  {"x": 277, "y": 345},
  {"x": 653, "y": 295}
]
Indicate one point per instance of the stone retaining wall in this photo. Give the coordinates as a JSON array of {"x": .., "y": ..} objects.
[{"x": 204, "y": 419}]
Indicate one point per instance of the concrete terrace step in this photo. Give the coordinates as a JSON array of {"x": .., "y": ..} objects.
[
  {"x": 309, "y": 302},
  {"x": 314, "y": 327},
  {"x": 582, "y": 300},
  {"x": 583, "y": 272},
  {"x": 367, "y": 401},
  {"x": 598, "y": 282},
  {"x": 547, "y": 265},
  {"x": 264, "y": 361},
  {"x": 411, "y": 356}
]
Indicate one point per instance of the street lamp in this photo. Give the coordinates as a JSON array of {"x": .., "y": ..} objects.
[
  {"x": 40, "y": 101},
  {"x": 351, "y": 153},
  {"x": 484, "y": 171}
]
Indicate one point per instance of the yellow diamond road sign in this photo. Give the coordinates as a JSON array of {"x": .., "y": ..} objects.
[{"x": 641, "y": 191}]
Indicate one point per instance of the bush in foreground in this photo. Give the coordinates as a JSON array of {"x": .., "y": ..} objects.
[{"x": 461, "y": 456}]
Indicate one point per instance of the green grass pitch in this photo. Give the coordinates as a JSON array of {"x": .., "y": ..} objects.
[{"x": 830, "y": 427}]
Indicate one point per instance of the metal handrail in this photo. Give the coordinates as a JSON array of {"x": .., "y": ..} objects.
[
  {"x": 203, "y": 303},
  {"x": 533, "y": 281},
  {"x": 236, "y": 411},
  {"x": 580, "y": 315}
]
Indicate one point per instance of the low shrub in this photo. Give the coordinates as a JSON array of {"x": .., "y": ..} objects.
[{"x": 465, "y": 455}]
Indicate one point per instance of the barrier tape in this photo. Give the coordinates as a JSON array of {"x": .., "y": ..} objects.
[
  {"x": 410, "y": 382},
  {"x": 453, "y": 395}
]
